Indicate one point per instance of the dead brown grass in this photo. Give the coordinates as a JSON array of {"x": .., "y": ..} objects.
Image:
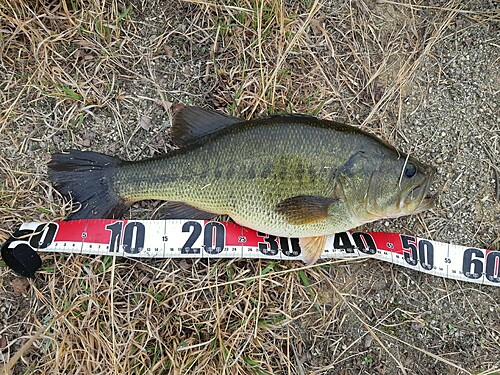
[{"x": 83, "y": 73}]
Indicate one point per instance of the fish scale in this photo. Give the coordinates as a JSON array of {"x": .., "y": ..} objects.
[{"x": 260, "y": 181}]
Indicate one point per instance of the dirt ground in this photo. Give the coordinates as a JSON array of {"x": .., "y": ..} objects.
[{"x": 104, "y": 75}]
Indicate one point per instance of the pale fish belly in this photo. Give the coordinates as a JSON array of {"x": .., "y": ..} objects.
[{"x": 274, "y": 224}]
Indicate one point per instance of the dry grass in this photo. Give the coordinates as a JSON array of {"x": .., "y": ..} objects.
[{"x": 87, "y": 74}]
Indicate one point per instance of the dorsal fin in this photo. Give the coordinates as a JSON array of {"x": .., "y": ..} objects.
[
  {"x": 291, "y": 115},
  {"x": 192, "y": 123}
]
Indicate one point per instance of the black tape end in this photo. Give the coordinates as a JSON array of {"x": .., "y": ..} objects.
[{"x": 22, "y": 259}]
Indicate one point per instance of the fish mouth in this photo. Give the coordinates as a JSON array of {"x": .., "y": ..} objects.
[{"x": 418, "y": 198}]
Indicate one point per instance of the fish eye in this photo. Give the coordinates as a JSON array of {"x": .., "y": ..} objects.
[{"x": 410, "y": 170}]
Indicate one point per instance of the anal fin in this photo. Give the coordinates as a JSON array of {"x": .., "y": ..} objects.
[{"x": 312, "y": 247}]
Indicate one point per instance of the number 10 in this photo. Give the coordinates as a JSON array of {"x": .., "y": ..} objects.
[{"x": 132, "y": 240}]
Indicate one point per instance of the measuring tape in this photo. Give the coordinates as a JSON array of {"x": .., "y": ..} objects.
[{"x": 214, "y": 239}]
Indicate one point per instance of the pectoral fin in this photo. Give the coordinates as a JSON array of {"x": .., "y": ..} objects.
[
  {"x": 304, "y": 209},
  {"x": 312, "y": 247}
]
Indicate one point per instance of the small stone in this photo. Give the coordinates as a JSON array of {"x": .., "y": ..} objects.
[
  {"x": 89, "y": 134},
  {"x": 416, "y": 326},
  {"x": 145, "y": 122},
  {"x": 85, "y": 142},
  {"x": 3, "y": 342},
  {"x": 169, "y": 51},
  {"x": 20, "y": 286},
  {"x": 185, "y": 264},
  {"x": 368, "y": 341}
]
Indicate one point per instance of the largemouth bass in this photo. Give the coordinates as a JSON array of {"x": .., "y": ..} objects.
[{"x": 285, "y": 175}]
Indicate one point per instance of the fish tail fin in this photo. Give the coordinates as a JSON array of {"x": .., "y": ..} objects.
[{"x": 86, "y": 176}]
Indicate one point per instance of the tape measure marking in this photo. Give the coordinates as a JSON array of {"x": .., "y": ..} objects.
[{"x": 213, "y": 239}]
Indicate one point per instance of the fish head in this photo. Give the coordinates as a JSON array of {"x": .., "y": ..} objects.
[{"x": 394, "y": 185}]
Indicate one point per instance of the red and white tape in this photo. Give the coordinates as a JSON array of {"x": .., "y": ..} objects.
[{"x": 213, "y": 239}]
